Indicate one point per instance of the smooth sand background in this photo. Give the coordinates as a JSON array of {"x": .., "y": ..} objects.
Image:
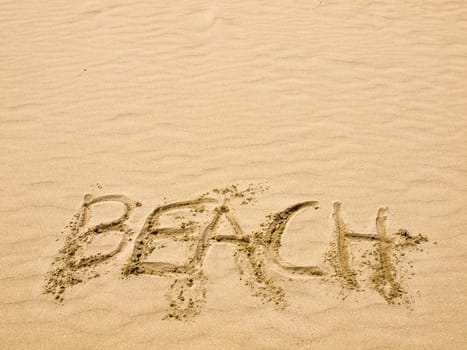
[{"x": 362, "y": 102}]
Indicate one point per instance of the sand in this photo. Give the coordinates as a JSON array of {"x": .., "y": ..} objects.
[{"x": 233, "y": 175}]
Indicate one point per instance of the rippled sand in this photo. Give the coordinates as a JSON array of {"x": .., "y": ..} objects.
[{"x": 358, "y": 102}]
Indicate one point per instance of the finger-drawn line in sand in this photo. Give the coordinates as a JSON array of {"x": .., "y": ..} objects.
[
  {"x": 273, "y": 237},
  {"x": 71, "y": 266},
  {"x": 263, "y": 250},
  {"x": 343, "y": 268},
  {"x": 188, "y": 292},
  {"x": 384, "y": 278},
  {"x": 257, "y": 255}
]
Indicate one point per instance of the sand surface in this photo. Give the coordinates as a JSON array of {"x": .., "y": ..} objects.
[{"x": 316, "y": 152}]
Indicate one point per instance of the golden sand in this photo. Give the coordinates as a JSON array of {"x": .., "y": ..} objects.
[{"x": 233, "y": 175}]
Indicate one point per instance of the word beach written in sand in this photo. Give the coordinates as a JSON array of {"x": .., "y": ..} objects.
[{"x": 382, "y": 264}]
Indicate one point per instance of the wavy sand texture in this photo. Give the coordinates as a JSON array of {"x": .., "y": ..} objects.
[{"x": 357, "y": 102}]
